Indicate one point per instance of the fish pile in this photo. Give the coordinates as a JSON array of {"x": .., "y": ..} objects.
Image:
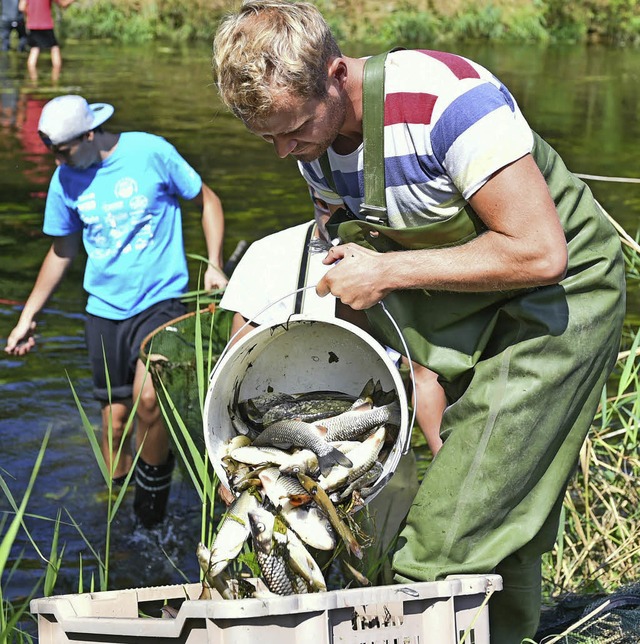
[{"x": 298, "y": 467}]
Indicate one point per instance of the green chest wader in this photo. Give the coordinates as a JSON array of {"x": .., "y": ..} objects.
[{"x": 523, "y": 371}]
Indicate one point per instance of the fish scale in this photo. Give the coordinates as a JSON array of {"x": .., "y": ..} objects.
[
  {"x": 286, "y": 433},
  {"x": 280, "y": 579},
  {"x": 354, "y": 423}
]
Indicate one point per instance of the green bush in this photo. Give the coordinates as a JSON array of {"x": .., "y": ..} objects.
[
  {"x": 103, "y": 19},
  {"x": 614, "y": 22},
  {"x": 410, "y": 29}
]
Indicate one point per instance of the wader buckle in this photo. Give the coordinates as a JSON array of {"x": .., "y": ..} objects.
[{"x": 372, "y": 218}]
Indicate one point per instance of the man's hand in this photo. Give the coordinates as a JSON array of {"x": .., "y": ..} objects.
[
  {"x": 214, "y": 278},
  {"x": 21, "y": 340},
  {"x": 356, "y": 279}
]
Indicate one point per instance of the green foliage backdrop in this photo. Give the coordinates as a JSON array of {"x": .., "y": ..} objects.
[{"x": 409, "y": 22}]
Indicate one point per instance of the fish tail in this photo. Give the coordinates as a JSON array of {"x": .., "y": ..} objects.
[{"x": 334, "y": 457}]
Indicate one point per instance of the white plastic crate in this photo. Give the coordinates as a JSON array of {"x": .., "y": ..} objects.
[{"x": 429, "y": 612}]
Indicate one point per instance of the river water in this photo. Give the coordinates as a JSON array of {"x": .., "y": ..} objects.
[{"x": 582, "y": 100}]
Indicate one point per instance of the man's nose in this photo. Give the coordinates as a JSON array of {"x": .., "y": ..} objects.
[{"x": 284, "y": 146}]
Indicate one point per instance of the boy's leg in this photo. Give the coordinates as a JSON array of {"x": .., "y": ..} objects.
[
  {"x": 114, "y": 421},
  {"x": 56, "y": 62},
  {"x": 155, "y": 464},
  {"x": 32, "y": 62}
]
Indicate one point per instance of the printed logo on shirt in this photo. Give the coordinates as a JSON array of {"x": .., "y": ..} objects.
[
  {"x": 126, "y": 188},
  {"x": 138, "y": 202},
  {"x": 86, "y": 206}
]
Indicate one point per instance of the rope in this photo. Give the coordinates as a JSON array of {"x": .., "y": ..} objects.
[{"x": 596, "y": 177}]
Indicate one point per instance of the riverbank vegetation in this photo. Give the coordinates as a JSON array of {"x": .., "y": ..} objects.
[{"x": 426, "y": 23}]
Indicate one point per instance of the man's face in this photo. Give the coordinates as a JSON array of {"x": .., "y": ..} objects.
[
  {"x": 303, "y": 128},
  {"x": 77, "y": 153}
]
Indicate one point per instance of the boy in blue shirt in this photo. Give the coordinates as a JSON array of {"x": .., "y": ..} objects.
[{"x": 118, "y": 193}]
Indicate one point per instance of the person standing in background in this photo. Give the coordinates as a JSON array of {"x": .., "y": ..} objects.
[
  {"x": 41, "y": 34},
  {"x": 118, "y": 195},
  {"x": 12, "y": 18}
]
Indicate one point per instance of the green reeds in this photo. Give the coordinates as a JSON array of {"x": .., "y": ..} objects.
[
  {"x": 599, "y": 546},
  {"x": 11, "y": 614}
]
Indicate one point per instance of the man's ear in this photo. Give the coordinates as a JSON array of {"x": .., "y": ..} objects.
[{"x": 337, "y": 72}]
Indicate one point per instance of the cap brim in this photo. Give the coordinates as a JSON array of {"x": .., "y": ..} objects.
[{"x": 101, "y": 112}]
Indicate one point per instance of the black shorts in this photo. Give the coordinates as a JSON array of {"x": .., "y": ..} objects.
[
  {"x": 42, "y": 38},
  {"x": 122, "y": 340}
]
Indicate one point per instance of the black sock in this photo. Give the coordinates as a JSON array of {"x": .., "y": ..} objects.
[{"x": 153, "y": 484}]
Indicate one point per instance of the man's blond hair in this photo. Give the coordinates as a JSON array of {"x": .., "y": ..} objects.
[{"x": 268, "y": 47}]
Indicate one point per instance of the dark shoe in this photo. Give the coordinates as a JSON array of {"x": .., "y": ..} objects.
[{"x": 153, "y": 484}]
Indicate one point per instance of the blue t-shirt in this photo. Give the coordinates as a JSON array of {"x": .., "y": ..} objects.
[{"x": 127, "y": 208}]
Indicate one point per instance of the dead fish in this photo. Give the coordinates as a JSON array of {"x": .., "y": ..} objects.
[
  {"x": 307, "y": 410},
  {"x": 362, "y": 457},
  {"x": 254, "y": 408},
  {"x": 356, "y": 422},
  {"x": 304, "y": 564},
  {"x": 168, "y": 612},
  {"x": 232, "y": 532},
  {"x": 321, "y": 498},
  {"x": 217, "y": 582},
  {"x": 240, "y": 425},
  {"x": 363, "y": 483},
  {"x": 254, "y": 455},
  {"x": 311, "y": 524},
  {"x": 303, "y": 460},
  {"x": 283, "y": 491},
  {"x": 286, "y": 433},
  {"x": 272, "y": 556}
]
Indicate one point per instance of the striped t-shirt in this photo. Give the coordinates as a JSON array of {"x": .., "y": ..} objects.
[{"x": 449, "y": 124}]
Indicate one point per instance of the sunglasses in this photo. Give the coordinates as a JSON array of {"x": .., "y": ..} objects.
[{"x": 60, "y": 148}]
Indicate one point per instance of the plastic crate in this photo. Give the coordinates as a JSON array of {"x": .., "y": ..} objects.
[{"x": 429, "y": 612}]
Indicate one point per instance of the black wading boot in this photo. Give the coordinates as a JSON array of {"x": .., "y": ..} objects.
[{"x": 153, "y": 484}]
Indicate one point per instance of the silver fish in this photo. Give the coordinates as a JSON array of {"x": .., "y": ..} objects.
[
  {"x": 303, "y": 460},
  {"x": 286, "y": 433},
  {"x": 253, "y": 455},
  {"x": 283, "y": 491},
  {"x": 213, "y": 581},
  {"x": 312, "y": 526},
  {"x": 362, "y": 457},
  {"x": 320, "y": 497},
  {"x": 356, "y": 422},
  {"x": 272, "y": 555},
  {"x": 304, "y": 564},
  {"x": 232, "y": 532},
  {"x": 363, "y": 483}
]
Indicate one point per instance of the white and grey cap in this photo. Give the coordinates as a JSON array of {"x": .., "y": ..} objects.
[{"x": 65, "y": 118}]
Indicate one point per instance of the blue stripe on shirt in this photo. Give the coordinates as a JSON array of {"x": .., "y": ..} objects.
[{"x": 463, "y": 112}]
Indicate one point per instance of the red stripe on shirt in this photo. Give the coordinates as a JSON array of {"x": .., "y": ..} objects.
[
  {"x": 459, "y": 66},
  {"x": 408, "y": 107}
]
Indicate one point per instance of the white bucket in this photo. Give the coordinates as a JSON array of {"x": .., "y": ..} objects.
[{"x": 299, "y": 355}]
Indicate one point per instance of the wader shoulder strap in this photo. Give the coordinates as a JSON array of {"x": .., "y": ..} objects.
[
  {"x": 374, "y": 207},
  {"x": 304, "y": 265}
]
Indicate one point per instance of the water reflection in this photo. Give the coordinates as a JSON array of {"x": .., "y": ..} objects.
[{"x": 583, "y": 100}]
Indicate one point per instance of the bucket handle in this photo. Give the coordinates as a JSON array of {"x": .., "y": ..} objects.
[{"x": 407, "y": 444}]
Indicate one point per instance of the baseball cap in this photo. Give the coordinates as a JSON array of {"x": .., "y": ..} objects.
[{"x": 65, "y": 118}]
